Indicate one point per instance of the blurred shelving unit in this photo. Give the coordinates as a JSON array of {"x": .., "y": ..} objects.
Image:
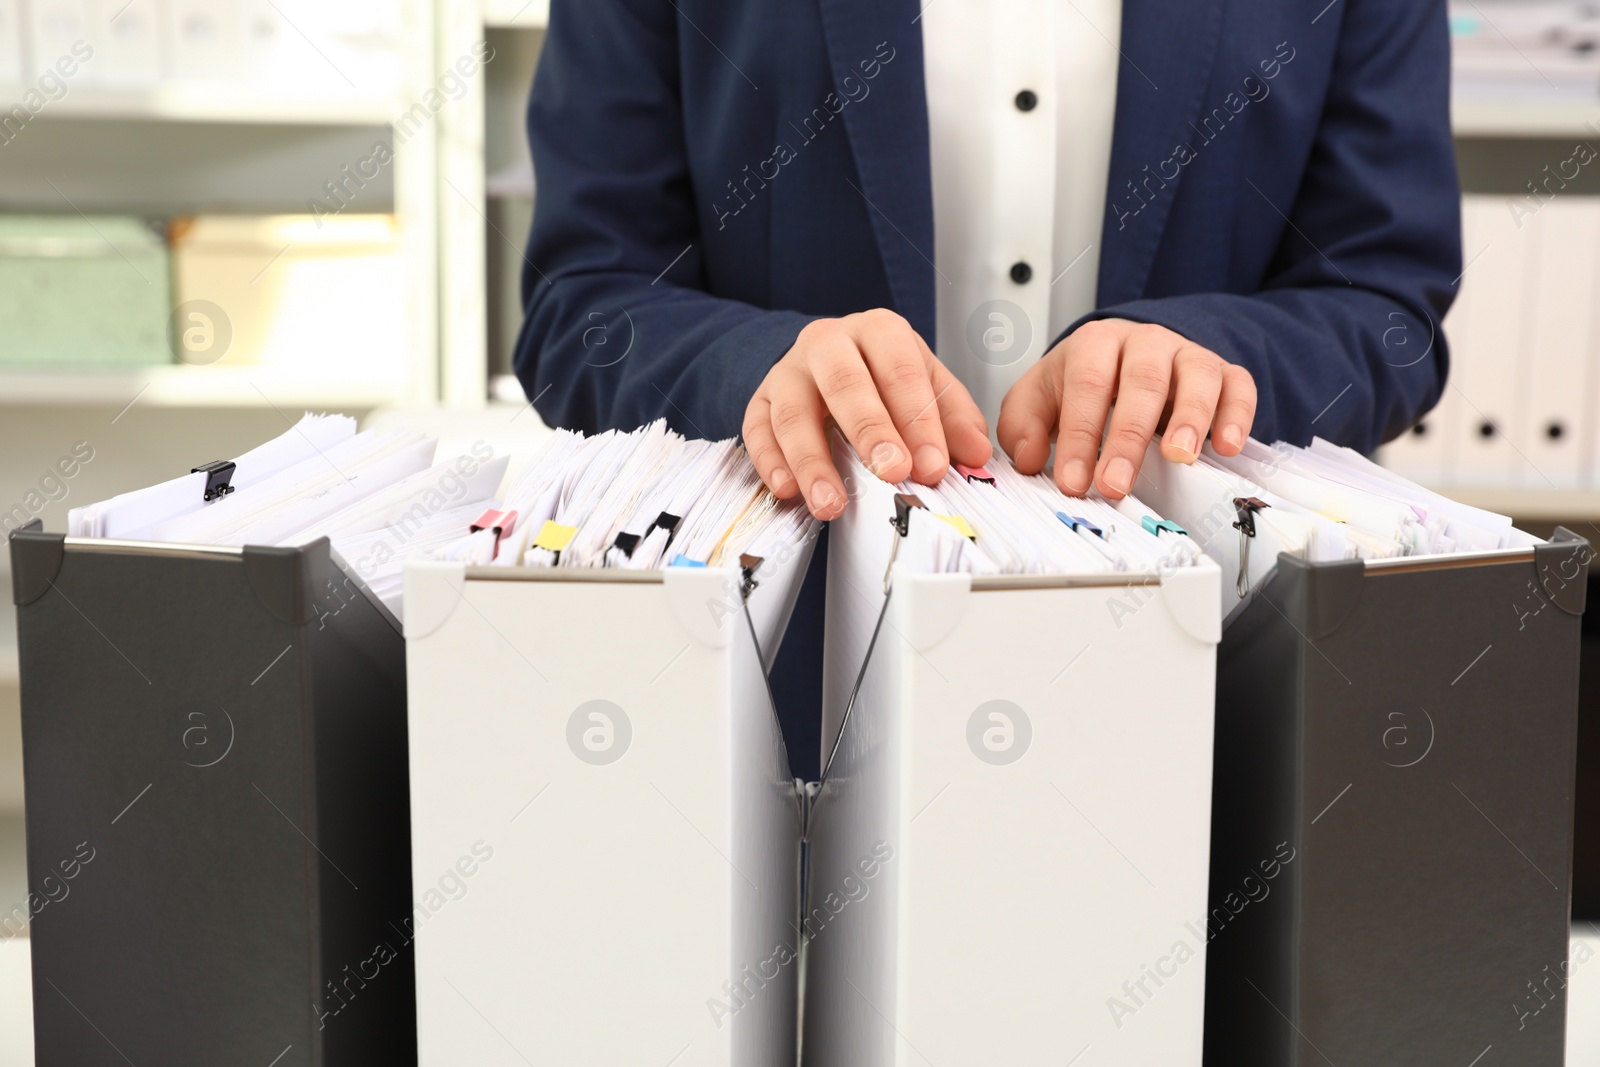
[
  {"x": 178, "y": 385},
  {"x": 176, "y": 146},
  {"x": 487, "y": 190},
  {"x": 213, "y": 102},
  {"x": 1525, "y": 118}
]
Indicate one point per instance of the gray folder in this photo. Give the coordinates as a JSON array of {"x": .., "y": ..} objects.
[
  {"x": 1393, "y": 813},
  {"x": 214, "y": 748}
]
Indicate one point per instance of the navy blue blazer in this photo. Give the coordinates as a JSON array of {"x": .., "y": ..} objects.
[{"x": 714, "y": 174}]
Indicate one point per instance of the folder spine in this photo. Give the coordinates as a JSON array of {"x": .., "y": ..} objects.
[
  {"x": 1407, "y": 729},
  {"x": 225, "y": 728}
]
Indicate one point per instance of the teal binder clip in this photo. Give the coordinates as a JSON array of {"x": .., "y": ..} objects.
[{"x": 1161, "y": 526}]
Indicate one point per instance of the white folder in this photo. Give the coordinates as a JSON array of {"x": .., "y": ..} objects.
[
  {"x": 1017, "y": 820},
  {"x": 53, "y": 27},
  {"x": 1490, "y": 344},
  {"x": 608, "y": 734},
  {"x": 127, "y": 42},
  {"x": 11, "y": 37},
  {"x": 1556, "y": 433}
]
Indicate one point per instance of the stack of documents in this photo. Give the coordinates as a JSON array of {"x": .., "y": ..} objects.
[
  {"x": 1323, "y": 503},
  {"x": 378, "y": 497},
  {"x": 640, "y": 500},
  {"x": 996, "y": 521}
]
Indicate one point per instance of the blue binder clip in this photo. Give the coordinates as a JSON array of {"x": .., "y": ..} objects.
[
  {"x": 680, "y": 560},
  {"x": 1074, "y": 523},
  {"x": 1161, "y": 526}
]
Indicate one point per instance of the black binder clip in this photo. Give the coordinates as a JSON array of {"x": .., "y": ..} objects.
[
  {"x": 1247, "y": 507},
  {"x": 627, "y": 542},
  {"x": 668, "y": 523},
  {"x": 748, "y": 565},
  {"x": 903, "y": 503},
  {"x": 219, "y": 472}
]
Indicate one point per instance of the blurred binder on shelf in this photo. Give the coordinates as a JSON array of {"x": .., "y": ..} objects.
[
  {"x": 53, "y": 27},
  {"x": 11, "y": 38},
  {"x": 214, "y": 749},
  {"x": 126, "y": 38},
  {"x": 1556, "y": 425},
  {"x": 205, "y": 39},
  {"x": 1490, "y": 347}
]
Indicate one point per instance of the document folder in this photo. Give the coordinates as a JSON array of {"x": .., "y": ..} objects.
[
  {"x": 605, "y": 739},
  {"x": 214, "y": 752},
  {"x": 1404, "y": 729},
  {"x": 1009, "y": 850}
]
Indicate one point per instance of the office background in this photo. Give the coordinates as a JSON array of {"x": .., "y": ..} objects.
[{"x": 217, "y": 214}]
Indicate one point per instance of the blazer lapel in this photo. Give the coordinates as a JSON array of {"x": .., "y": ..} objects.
[
  {"x": 1168, "y": 50},
  {"x": 888, "y": 132}
]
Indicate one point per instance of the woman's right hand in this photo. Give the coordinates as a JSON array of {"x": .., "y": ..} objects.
[{"x": 901, "y": 409}]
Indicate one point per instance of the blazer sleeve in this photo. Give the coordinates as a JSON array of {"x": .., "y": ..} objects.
[
  {"x": 1343, "y": 336},
  {"x": 618, "y": 328}
]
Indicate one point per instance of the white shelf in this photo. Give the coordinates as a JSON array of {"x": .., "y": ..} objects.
[
  {"x": 184, "y": 386},
  {"x": 516, "y": 14},
  {"x": 1525, "y": 118},
  {"x": 214, "y": 102}
]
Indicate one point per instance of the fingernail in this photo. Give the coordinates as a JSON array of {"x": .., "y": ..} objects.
[
  {"x": 1119, "y": 475},
  {"x": 1232, "y": 436},
  {"x": 780, "y": 479},
  {"x": 824, "y": 499},
  {"x": 930, "y": 462},
  {"x": 884, "y": 456},
  {"x": 1075, "y": 476},
  {"x": 1184, "y": 440}
]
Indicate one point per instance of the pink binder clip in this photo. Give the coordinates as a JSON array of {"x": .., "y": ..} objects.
[
  {"x": 975, "y": 474},
  {"x": 501, "y": 522}
]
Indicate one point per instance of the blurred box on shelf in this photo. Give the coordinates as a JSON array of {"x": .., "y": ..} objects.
[
  {"x": 1546, "y": 49},
  {"x": 82, "y": 292},
  {"x": 11, "y": 65},
  {"x": 319, "y": 295}
]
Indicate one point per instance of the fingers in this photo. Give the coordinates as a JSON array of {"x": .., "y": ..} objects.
[
  {"x": 762, "y": 444},
  {"x": 1089, "y": 380},
  {"x": 965, "y": 429},
  {"x": 1028, "y": 414},
  {"x": 849, "y": 392},
  {"x": 798, "y": 425},
  {"x": 1143, "y": 384},
  {"x": 1196, "y": 385},
  {"x": 899, "y": 364},
  {"x": 1236, "y": 410}
]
